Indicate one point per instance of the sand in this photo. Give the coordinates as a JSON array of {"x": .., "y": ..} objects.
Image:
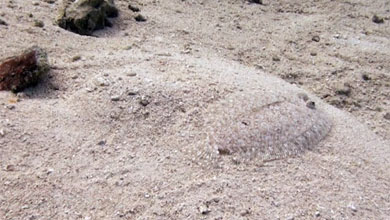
[{"x": 122, "y": 133}]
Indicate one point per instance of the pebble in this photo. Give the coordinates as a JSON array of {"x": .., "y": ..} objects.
[
  {"x": 377, "y": 19},
  {"x": 131, "y": 93},
  {"x": 132, "y": 74},
  {"x": 260, "y": 2},
  {"x": 38, "y": 23},
  {"x": 133, "y": 8},
  {"x": 89, "y": 89},
  {"x": 115, "y": 98},
  {"x": 204, "y": 210},
  {"x": 317, "y": 214},
  {"x": 144, "y": 101},
  {"x": 100, "y": 81},
  {"x": 352, "y": 207},
  {"x": 387, "y": 116},
  {"x": 316, "y": 38},
  {"x": 10, "y": 168},
  {"x": 102, "y": 142},
  {"x": 311, "y": 105},
  {"x": 343, "y": 90},
  {"x": 366, "y": 77},
  {"x": 11, "y": 107},
  {"x": 50, "y": 170},
  {"x": 76, "y": 58},
  {"x": 140, "y": 18},
  {"x": 2, "y": 133},
  {"x": 245, "y": 212},
  {"x": 313, "y": 54},
  {"x": 2, "y": 22}
]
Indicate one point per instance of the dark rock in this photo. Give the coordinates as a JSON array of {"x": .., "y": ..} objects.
[
  {"x": 311, "y": 105},
  {"x": 10, "y": 168},
  {"x": 133, "y": 8},
  {"x": 387, "y": 116},
  {"x": 140, "y": 18},
  {"x": 276, "y": 59},
  {"x": 20, "y": 72},
  {"x": 101, "y": 143},
  {"x": 2, "y": 22},
  {"x": 132, "y": 93},
  {"x": 377, "y": 19},
  {"x": 50, "y": 1},
  {"x": 115, "y": 98},
  {"x": 366, "y": 77},
  {"x": 316, "y": 38},
  {"x": 76, "y": 58},
  {"x": 145, "y": 100},
  {"x": 85, "y": 16},
  {"x": 256, "y": 1}
]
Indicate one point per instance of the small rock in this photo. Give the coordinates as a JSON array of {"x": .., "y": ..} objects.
[
  {"x": 276, "y": 59},
  {"x": 2, "y": 133},
  {"x": 256, "y": 1},
  {"x": 100, "y": 81},
  {"x": 377, "y": 19},
  {"x": 90, "y": 89},
  {"x": 10, "y": 168},
  {"x": 38, "y": 23},
  {"x": 313, "y": 54},
  {"x": 140, "y": 18},
  {"x": 49, "y": 171},
  {"x": 352, "y": 207},
  {"x": 132, "y": 74},
  {"x": 2, "y": 22},
  {"x": 133, "y": 8},
  {"x": 21, "y": 95},
  {"x": 204, "y": 210},
  {"x": 76, "y": 58},
  {"x": 50, "y": 1},
  {"x": 387, "y": 116},
  {"x": 311, "y": 105},
  {"x": 316, "y": 38},
  {"x": 317, "y": 214},
  {"x": 366, "y": 77},
  {"x": 22, "y": 71},
  {"x": 131, "y": 93},
  {"x": 115, "y": 98},
  {"x": 343, "y": 90},
  {"x": 101, "y": 143},
  {"x": 144, "y": 101},
  {"x": 245, "y": 212},
  {"x": 85, "y": 16},
  {"x": 11, "y": 107}
]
